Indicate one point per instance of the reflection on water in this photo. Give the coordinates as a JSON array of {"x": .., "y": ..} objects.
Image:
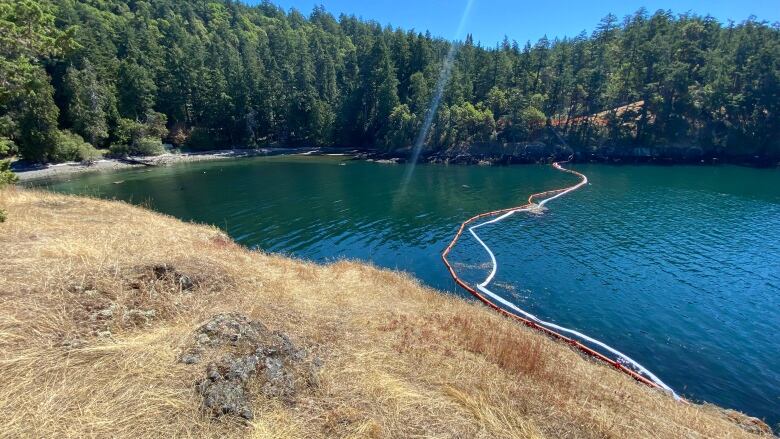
[{"x": 679, "y": 267}]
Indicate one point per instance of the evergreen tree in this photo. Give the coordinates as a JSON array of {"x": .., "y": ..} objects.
[
  {"x": 137, "y": 89},
  {"x": 87, "y": 104},
  {"x": 225, "y": 74},
  {"x": 38, "y": 133}
]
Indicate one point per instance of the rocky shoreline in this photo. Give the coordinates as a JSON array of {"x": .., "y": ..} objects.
[{"x": 535, "y": 153}]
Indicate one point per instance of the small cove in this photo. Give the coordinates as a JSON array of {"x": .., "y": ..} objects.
[{"x": 679, "y": 266}]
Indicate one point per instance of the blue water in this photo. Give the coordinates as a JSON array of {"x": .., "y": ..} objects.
[{"x": 678, "y": 267}]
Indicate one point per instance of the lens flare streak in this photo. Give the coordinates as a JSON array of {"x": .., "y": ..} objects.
[{"x": 444, "y": 77}]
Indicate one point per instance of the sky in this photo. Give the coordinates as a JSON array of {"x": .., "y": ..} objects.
[{"x": 489, "y": 20}]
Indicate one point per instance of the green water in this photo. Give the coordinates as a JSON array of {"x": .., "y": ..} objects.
[{"x": 678, "y": 267}]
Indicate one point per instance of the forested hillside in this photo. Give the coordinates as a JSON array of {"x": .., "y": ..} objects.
[{"x": 203, "y": 74}]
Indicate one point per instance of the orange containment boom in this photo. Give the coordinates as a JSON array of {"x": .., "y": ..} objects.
[{"x": 552, "y": 194}]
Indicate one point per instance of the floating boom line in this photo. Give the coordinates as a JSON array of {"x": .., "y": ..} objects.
[{"x": 505, "y": 307}]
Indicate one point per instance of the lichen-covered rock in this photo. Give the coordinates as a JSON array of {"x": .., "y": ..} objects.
[
  {"x": 247, "y": 355},
  {"x": 226, "y": 398},
  {"x": 232, "y": 328}
]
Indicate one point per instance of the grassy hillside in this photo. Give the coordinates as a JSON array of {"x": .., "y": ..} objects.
[{"x": 102, "y": 333}]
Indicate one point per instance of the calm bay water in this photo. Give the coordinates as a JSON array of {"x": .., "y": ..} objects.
[{"x": 678, "y": 267}]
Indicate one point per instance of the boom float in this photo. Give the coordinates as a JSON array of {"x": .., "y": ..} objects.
[{"x": 576, "y": 339}]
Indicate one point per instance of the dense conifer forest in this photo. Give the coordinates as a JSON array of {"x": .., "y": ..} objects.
[{"x": 128, "y": 76}]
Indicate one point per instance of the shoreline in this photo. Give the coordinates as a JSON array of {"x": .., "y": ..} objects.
[
  {"x": 28, "y": 173},
  {"x": 34, "y": 172}
]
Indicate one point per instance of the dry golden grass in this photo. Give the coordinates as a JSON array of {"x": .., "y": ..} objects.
[{"x": 400, "y": 360}]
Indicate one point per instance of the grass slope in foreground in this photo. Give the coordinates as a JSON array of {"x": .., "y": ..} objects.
[{"x": 101, "y": 334}]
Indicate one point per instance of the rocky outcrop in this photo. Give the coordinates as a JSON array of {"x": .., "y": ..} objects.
[
  {"x": 745, "y": 422},
  {"x": 243, "y": 357}
]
